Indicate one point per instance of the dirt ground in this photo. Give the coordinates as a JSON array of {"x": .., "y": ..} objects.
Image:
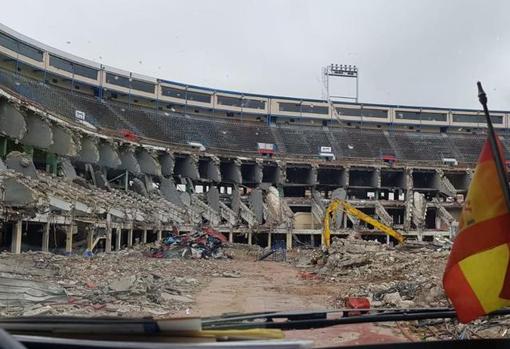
[
  {"x": 271, "y": 286},
  {"x": 130, "y": 284}
]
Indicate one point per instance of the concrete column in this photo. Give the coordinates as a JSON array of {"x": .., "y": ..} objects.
[
  {"x": 90, "y": 239},
  {"x": 46, "y": 238},
  {"x": 118, "y": 240},
  {"x": 16, "y": 237},
  {"x": 159, "y": 235},
  {"x": 69, "y": 238},
  {"x": 269, "y": 242},
  {"x": 130, "y": 237},
  {"x": 231, "y": 237},
  {"x": 108, "y": 243},
  {"x": 250, "y": 235},
  {"x": 312, "y": 240},
  {"x": 438, "y": 223},
  {"x": 144, "y": 236},
  {"x": 289, "y": 240}
]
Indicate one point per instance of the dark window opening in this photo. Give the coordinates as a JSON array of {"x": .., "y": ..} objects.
[
  {"x": 73, "y": 68},
  {"x": 183, "y": 94},
  {"x": 303, "y": 108},
  {"x": 496, "y": 119},
  {"x": 127, "y": 82},
  {"x": 426, "y": 116},
  {"x": 20, "y": 47},
  {"x": 369, "y": 113},
  {"x": 241, "y": 102}
]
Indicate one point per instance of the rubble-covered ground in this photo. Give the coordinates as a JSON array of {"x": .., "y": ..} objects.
[
  {"x": 126, "y": 283},
  {"x": 132, "y": 283},
  {"x": 406, "y": 276}
]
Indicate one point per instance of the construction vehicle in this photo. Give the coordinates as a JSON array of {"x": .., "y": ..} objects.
[{"x": 343, "y": 205}]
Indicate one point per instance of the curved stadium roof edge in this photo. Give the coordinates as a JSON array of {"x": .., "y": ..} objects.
[{"x": 57, "y": 52}]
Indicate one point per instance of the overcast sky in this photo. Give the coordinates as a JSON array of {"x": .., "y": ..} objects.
[{"x": 409, "y": 52}]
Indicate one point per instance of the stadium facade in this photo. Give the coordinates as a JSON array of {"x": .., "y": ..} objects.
[{"x": 97, "y": 157}]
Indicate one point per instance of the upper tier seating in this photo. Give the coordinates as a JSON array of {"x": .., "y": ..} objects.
[
  {"x": 303, "y": 140},
  {"x": 366, "y": 143},
  {"x": 469, "y": 146},
  {"x": 422, "y": 146},
  {"x": 243, "y": 135}
]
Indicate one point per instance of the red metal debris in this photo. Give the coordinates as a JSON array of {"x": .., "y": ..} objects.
[
  {"x": 356, "y": 303},
  {"x": 389, "y": 158},
  {"x": 215, "y": 234},
  {"x": 129, "y": 135}
]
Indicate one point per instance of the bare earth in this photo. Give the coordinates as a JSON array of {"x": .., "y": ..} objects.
[{"x": 270, "y": 286}]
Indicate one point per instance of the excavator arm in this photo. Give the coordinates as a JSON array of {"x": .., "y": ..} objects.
[{"x": 343, "y": 205}]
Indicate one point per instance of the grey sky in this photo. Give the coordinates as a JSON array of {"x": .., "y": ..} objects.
[{"x": 410, "y": 52}]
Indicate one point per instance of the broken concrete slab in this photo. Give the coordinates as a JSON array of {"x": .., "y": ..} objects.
[
  {"x": 129, "y": 161},
  {"x": 67, "y": 169},
  {"x": 108, "y": 155},
  {"x": 148, "y": 163},
  {"x": 22, "y": 163},
  {"x": 18, "y": 194},
  {"x": 63, "y": 142},
  {"x": 123, "y": 284},
  {"x": 88, "y": 152},
  {"x": 12, "y": 121},
  {"x": 167, "y": 297},
  {"x": 139, "y": 187},
  {"x": 170, "y": 192},
  {"x": 38, "y": 133},
  {"x": 167, "y": 162}
]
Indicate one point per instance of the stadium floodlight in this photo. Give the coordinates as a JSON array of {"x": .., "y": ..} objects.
[{"x": 340, "y": 71}]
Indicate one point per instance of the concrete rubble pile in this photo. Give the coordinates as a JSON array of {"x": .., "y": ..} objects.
[
  {"x": 46, "y": 188},
  {"x": 206, "y": 243},
  {"x": 444, "y": 329},
  {"x": 403, "y": 276},
  {"x": 124, "y": 283}
]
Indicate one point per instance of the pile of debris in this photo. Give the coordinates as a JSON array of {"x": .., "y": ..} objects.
[
  {"x": 124, "y": 283},
  {"x": 408, "y": 275},
  {"x": 445, "y": 329},
  {"x": 207, "y": 243}
]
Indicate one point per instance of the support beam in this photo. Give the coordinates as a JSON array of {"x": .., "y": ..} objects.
[
  {"x": 108, "y": 243},
  {"x": 130, "y": 237},
  {"x": 159, "y": 235},
  {"x": 269, "y": 243},
  {"x": 46, "y": 238},
  {"x": 289, "y": 240},
  {"x": 118, "y": 240},
  {"x": 144, "y": 236},
  {"x": 16, "y": 237},
  {"x": 69, "y": 238},
  {"x": 90, "y": 239},
  {"x": 231, "y": 237},
  {"x": 250, "y": 236}
]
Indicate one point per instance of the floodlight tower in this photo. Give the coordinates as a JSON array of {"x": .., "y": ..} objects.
[{"x": 340, "y": 71}]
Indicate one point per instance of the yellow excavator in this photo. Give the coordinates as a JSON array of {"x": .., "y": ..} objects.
[{"x": 337, "y": 204}]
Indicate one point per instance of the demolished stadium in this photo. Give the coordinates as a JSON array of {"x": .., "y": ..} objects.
[{"x": 99, "y": 159}]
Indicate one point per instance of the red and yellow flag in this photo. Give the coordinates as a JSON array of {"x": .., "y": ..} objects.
[{"x": 475, "y": 274}]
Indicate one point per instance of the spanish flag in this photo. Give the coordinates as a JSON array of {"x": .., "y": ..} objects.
[{"x": 475, "y": 278}]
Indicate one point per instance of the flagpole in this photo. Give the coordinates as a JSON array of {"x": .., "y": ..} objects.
[{"x": 482, "y": 97}]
